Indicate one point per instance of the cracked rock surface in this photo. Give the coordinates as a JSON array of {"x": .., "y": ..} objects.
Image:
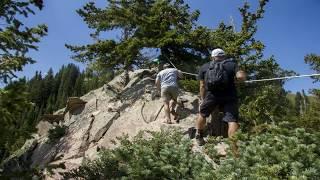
[{"x": 95, "y": 119}]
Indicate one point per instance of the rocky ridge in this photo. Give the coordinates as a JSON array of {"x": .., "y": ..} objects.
[{"x": 94, "y": 120}]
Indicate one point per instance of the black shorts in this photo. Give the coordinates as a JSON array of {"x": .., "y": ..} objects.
[{"x": 228, "y": 105}]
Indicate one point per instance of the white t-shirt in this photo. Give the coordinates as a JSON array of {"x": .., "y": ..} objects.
[{"x": 168, "y": 77}]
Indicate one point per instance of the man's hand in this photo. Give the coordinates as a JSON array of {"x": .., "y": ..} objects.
[
  {"x": 241, "y": 76},
  {"x": 180, "y": 75}
]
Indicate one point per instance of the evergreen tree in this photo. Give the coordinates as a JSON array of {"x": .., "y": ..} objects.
[
  {"x": 79, "y": 85},
  {"x": 15, "y": 42},
  {"x": 48, "y": 84},
  {"x": 306, "y": 101},
  {"x": 16, "y": 39},
  {"x": 67, "y": 82},
  {"x": 171, "y": 27},
  {"x": 311, "y": 119},
  {"x": 166, "y": 25},
  {"x": 13, "y": 102},
  {"x": 314, "y": 61},
  {"x": 298, "y": 104}
]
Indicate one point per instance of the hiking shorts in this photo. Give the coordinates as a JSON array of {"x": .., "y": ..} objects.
[
  {"x": 169, "y": 92},
  {"x": 229, "y": 107}
]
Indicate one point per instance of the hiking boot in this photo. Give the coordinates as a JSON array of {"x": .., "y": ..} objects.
[{"x": 200, "y": 140}]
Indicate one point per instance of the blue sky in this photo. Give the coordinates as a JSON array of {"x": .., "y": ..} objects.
[{"x": 289, "y": 29}]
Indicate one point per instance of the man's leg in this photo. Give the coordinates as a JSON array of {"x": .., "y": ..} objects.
[
  {"x": 173, "y": 111},
  {"x": 231, "y": 116},
  {"x": 166, "y": 99},
  {"x": 232, "y": 128},
  {"x": 174, "y": 91},
  {"x": 167, "y": 111},
  {"x": 206, "y": 107},
  {"x": 200, "y": 125},
  {"x": 173, "y": 104}
]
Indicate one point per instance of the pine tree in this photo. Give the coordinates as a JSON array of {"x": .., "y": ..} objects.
[
  {"x": 48, "y": 84},
  {"x": 35, "y": 88},
  {"x": 171, "y": 27},
  {"x": 13, "y": 102},
  {"x": 306, "y": 101},
  {"x": 314, "y": 61},
  {"x": 79, "y": 86},
  {"x": 298, "y": 104},
  {"x": 166, "y": 25},
  {"x": 16, "y": 39},
  {"x": 311, "y": 119}
]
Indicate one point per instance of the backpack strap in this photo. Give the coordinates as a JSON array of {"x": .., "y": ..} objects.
[
  {"x": 228, "y": 60},
  {"x": 212, "y": 64}
]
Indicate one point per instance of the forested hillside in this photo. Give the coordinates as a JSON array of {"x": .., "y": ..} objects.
[{"x": 47, "y": 93}]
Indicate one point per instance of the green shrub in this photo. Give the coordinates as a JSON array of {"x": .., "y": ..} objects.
[
  {"x": 190, "y": 85},
  {"x": 56, "y": 133},
  {"x": 150, "y": 155},
  {"x": 209, "y": 147},
  {"x": 278, "y": 153}
]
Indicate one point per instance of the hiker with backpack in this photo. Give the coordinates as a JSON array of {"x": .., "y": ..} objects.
[
  {"x": 217, "y": 88},
  {"x": 167, "y": 84}
]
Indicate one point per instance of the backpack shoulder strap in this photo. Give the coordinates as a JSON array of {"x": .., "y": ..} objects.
[
  {"x": 228, "y": 60},
  {"x": 212, "y": 64}
]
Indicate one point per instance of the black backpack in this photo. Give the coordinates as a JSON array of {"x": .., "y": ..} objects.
[{"x": 216, "y": 77}]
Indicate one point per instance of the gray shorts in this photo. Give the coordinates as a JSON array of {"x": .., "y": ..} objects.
[{"x": 169, "y": 92}]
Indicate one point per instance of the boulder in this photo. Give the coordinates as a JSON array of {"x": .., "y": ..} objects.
[
  {"x": 43, "y": 128},
  {"x": 74, "y": 103}
]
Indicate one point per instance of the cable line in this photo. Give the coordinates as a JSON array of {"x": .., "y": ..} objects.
[{"x": 257, "y": 80}]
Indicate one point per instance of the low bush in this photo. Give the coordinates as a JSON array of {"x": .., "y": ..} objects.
[
  {"x": 190, "y": 85},
  {"x": 278, "y": 152},
  {"x": 151, "y": 155}
]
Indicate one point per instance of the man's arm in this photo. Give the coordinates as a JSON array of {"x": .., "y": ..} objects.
[
  {"x": 202, "y": 90},
  {"x": 158, "y": 85}
]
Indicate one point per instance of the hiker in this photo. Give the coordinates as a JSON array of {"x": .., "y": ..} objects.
[
  {"x": 167, "y": 84},
  {"x": 217, "y": 88}
]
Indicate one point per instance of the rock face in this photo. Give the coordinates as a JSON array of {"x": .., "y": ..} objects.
[
  {"x": 52, "y": 118},
  {"x": 95, "y": 119}
]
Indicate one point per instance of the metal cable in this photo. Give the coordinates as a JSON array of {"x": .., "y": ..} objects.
[{"x": 257, "y": 80}]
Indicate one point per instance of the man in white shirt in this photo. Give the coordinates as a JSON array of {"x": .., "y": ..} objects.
[{"x": 167, "y": 83}]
